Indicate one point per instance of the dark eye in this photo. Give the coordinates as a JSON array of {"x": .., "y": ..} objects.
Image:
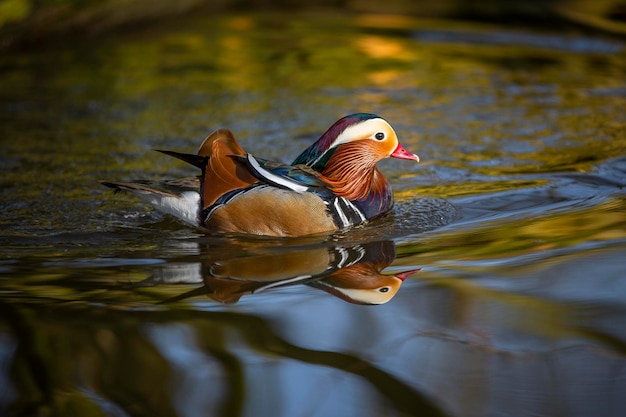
[
  {"x": 383, "y": 289},
  {"x": 379, "y": 136}
]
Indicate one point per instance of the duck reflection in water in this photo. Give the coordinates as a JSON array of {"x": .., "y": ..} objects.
[{"x": 349, "y": 272}]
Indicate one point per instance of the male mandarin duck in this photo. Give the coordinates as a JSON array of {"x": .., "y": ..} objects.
[{"x": 334, "y": 184}]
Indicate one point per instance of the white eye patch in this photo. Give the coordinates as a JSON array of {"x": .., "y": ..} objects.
[{"x": 362, "y": 130}]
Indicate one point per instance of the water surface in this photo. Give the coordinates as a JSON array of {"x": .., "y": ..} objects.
[{"x": 516, "y": 217}]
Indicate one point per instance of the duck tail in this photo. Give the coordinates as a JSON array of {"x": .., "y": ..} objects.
[{"x": 195, "y": 160}]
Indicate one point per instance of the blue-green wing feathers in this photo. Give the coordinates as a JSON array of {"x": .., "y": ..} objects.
[{"x": 299, "y": 178}]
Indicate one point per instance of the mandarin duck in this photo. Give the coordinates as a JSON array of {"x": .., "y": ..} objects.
[{"x": 334, "y": 184}]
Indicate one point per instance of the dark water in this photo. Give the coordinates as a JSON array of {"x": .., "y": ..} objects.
[{"x": 516, "y": 217}]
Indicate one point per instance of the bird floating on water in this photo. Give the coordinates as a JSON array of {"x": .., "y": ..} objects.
[{"x": 333, "y": 185}]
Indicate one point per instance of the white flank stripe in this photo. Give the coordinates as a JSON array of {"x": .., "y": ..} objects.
[
  {"x": 275, "y": 179},
  {"x": 354, "y": 208},
  {"x": 344, "y": 220}
]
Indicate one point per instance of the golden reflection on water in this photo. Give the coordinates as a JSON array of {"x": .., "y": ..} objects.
[
  {"x": 453, "y": 188},
  {"x": 478, "y": 308},
  {"x": 378, "y": 47},
  {"x": 535, "y": 234}
]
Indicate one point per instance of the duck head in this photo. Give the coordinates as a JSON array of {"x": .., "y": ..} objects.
[
  {"x": 363, "y": 135},
  {"x": 347, "y": 153}
]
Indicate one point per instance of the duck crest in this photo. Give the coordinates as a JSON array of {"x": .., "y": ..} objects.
[{"x": 319, "y": 152}]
